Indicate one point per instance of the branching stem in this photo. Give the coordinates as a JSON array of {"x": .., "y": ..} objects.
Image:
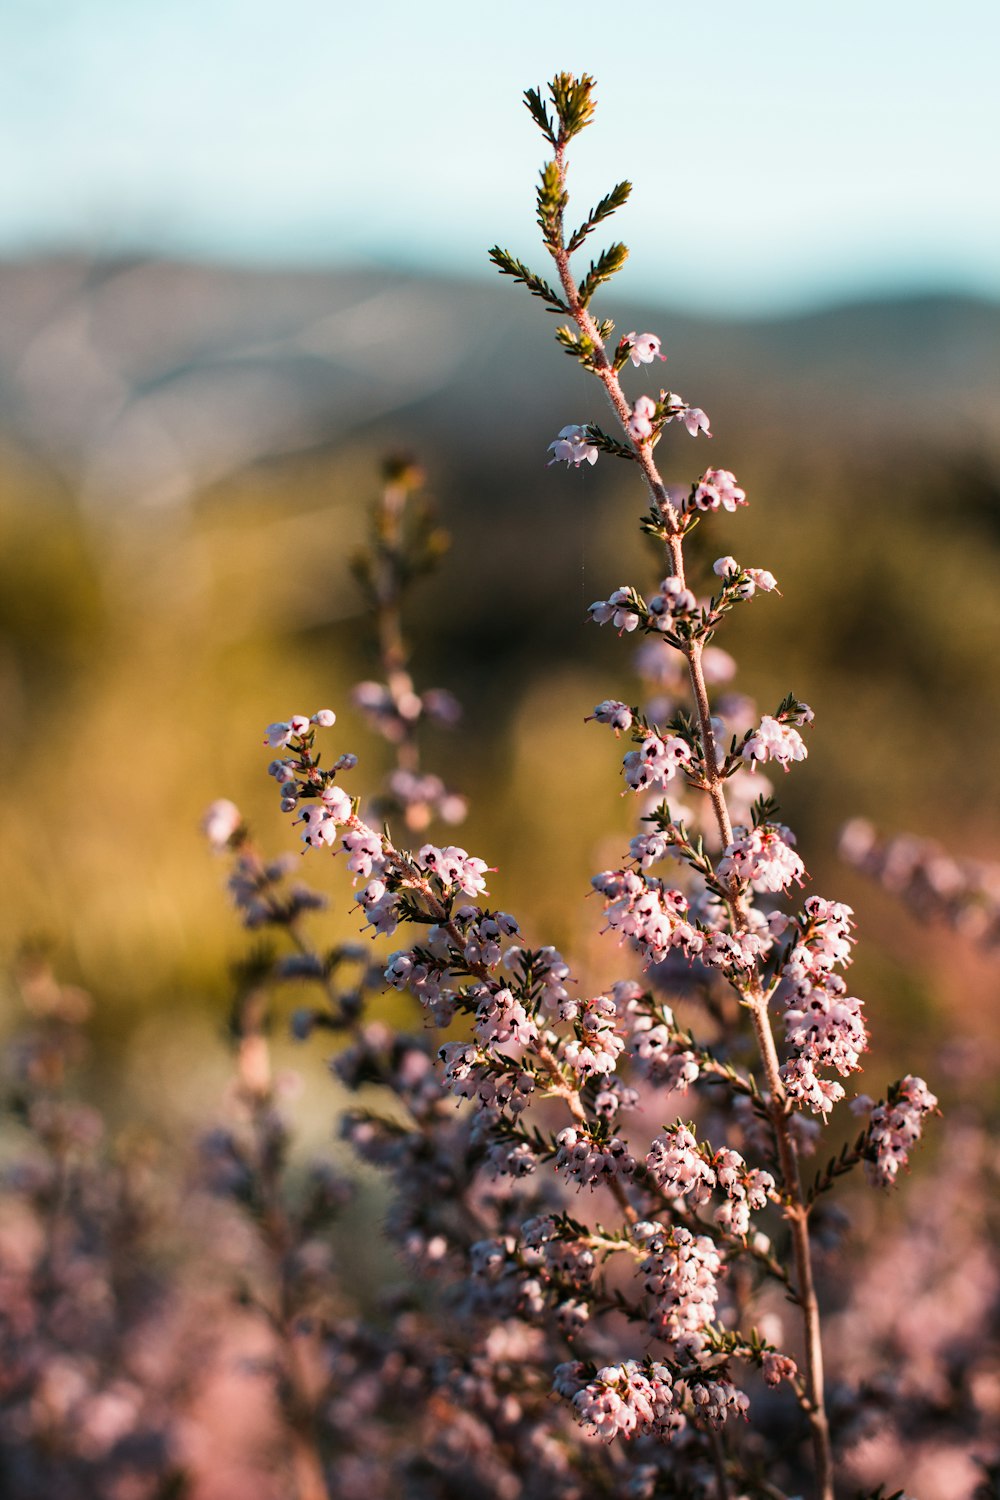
[{"x": 755, "y": 998}]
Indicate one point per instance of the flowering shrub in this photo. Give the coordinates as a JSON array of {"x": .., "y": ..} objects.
[
  {"x": 612, "y": 1202},
  {"x": 965, "y": 893},
  {"x": 565, "y": 1208}
]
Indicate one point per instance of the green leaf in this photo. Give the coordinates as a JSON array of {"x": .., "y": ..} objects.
[
  {"x": 615, "y": 199},
  {"x": 539, "y": 113},
  {"x": 574, "y": 103},
  {"x": 763, "y": 811},
  {"x": 509, "y": 265},
  {"x": 579, "y": 346},
  {"x": 608, "y": 444},
  {"x": 602, "y": 269},
  {"x": 551, "y": 201}
]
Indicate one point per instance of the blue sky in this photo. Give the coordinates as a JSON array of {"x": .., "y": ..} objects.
[{"x": 783, "y": 153}]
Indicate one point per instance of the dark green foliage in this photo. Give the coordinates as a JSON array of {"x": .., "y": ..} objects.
[
  {"x": 552, "y": 199},
  {"x": 838, "y": 1166},
  {"x": 606, "y": 443},
  {"x": 609, "y": 203},
  {"x": 509, "y": 265},
  {"x": 540, "y": 115},
  {"x": 764, "y": 810},
  {"x": 602, "y": 269},
  {"x": 790, "y": 707},
  {"x": 580, "y": 346},
  {"x": 574, "y": 102}
]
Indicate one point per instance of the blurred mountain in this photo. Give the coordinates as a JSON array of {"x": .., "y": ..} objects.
[
  {"x": 186, "y": 453},
  {"x": 147, "y": 381}
]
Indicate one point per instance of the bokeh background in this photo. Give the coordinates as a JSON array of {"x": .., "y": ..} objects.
[{"x": 244, "y": 256}]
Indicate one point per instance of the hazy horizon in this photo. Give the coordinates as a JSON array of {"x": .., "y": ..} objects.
[{"x": 782, "y": 159}]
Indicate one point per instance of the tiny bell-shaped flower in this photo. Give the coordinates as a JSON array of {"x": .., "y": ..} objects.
[
  {"x": 220, "y": 822},
  {"x": 643, "y": 348},
  {"x": 572, "y": 447},
  {"x": 640, "y": 424}
]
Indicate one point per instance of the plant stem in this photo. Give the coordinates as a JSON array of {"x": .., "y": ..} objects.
[
  {"x": 387, "y": 590},
  {"x": 756, "y": 999}
]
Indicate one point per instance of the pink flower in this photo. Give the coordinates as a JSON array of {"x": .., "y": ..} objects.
[
  {"x": 804, "y": 1086},
  {"x": 278, "y": 734},
  {"x": 718, "y": 487},
  {"x": 220, "y": 822},
  {"x": 676, "y": 1163},
  {"x": 693, "y": 417},
  {"x": 762, "y": 579},
  {"x": 588, "y": 1161},
  {"x": 655, "y": 761},
  {"x": 640, "y": 423},
  {"x": 774, "y": 741},
  {"x": 763, "y": 856},
  {"x": 620, "y": 609},
  {"x": 644, "y": 348},
  {"x": 321, "y": 827},
  {"x": 336, "y": 801},
  {"x": 673, "y": 599},
  {"x": 454, "y": 866},
  {"x": 612, "y": 712},
  {"x": 895, "y": 1128},
  {"x": 573, "y": 447},
  {"x": 695, "y": 421}
]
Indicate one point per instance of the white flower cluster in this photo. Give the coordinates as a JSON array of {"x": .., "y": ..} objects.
[
  {"x": 281, "y": 733},
  {"x": 717, "y": 1400},
  {"x": 672, "y": 600},
  {"x": 547, "y": 1250},
  {"x": 656, "y": 762},
  {"x": 589, "y": 1161},
  {"x": 692, "y": 417},
  {"x": 621, "y": 1400},
  {"x": 774, "y": 740},
  {"x": 644, "y": 909},
  {"x": 688, "y": 1170},
  {"x": 666, "y": 1064},
  {"x": 676, "y": 1162},
  {"x": 454, "y": 867},
  {"x": 718, "y": 487},
  {"x": 649, "y": 848},
  {"x": 735, "y": 952},
  {"x": 621, "y": 609},
  {"x": 612, "y": 712},
  {"x": 764, "y": 856},
  {"x": 596, "y": 1046},
  {"x": 500, "y": 1018},
  {"x": 471, "y": 1073},
  {"x": 680, "y": 1272},
  {"x": 751, "y": 579},
  {"x": 573, "y": 446},
  {"x": 823, "y": 1023},
  {"x": 895, "y": 1128}
]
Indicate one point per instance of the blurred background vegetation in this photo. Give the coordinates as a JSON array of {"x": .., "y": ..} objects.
[{"x": 186, "y": 457}]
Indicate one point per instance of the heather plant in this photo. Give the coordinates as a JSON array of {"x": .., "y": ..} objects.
[
  {"x": 963, "y": 894},
  {"x": 606, "y": 1231},
  {"x": 91, "y": 1382}
]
